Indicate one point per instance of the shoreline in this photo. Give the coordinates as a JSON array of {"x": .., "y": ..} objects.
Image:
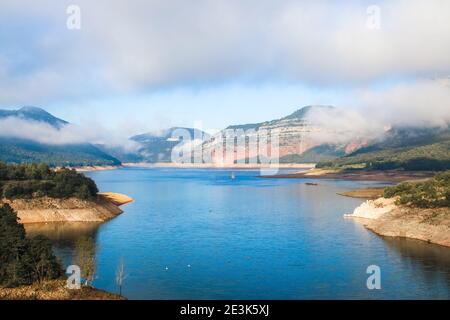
[
  {"x": 52, "y": 210},
  {"x": 56, "y": 290},
  {"x": 217, "y": 166},
  {"x": 385, "y": 218},
  {"x": 364, "y": 193},
  {"x": 359, "y": 175},
  {"x": 96, "y": 168}
]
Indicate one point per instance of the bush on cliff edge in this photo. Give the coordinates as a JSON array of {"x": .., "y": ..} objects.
[{"x": 433, "y": 193}]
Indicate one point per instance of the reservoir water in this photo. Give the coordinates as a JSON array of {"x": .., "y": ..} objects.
[{"x": 228, "y": 234}]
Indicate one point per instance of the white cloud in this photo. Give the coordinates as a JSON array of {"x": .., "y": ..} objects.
[
  {"x": 423, "y": 103},
  {"x": 143, "y": 45},
  {"x": 42, "y": 132}
]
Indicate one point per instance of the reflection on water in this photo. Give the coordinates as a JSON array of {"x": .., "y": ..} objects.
[
  {"x": 63, "y": 231},
  {"x": 64, "y": 236},
  {"x": 429, "y": 261}
]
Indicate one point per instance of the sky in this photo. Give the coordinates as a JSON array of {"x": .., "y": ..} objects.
[{"x": 137, "y": 66}]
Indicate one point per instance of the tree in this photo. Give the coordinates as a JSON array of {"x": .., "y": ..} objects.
[
  {"x": 86, "y": 259},
  {"x": 432, "y": 193},
  {"x": 13, "y": 270},
  {"x": 23, "y": 261},
  {"x": 44, "y": 265},
  {"x": 120, "y": 275},
  {"x": 38, "y": 180}
]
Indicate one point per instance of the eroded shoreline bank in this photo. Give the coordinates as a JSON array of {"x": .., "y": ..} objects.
[
  {"x": 56, "y": 290},
  {"x": 217, "y": 165},
  {"x": 386, "y": 218},
  {"x": 359, "y": 175},
  {"x": 45, "y": 209}
]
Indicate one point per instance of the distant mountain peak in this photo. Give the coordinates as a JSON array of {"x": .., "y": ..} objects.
[
  {"x": 32, "y": 109},
  {"x": 302, "y": 112},
  {"x": 25, "y": 150},
  {"x": 167, "y": 133},
  {"x": 34, "y": 114}
]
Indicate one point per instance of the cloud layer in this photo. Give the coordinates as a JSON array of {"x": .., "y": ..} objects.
[
  {"x": 42, "y": 132},
  {"x": 423, "y": 103},
  {"x": 145, "y": 45}
]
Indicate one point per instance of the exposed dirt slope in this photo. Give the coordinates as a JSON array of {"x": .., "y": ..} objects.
[{"x": 47, "y": 209}]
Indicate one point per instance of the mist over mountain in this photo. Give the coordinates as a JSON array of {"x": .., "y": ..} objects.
[
  {"x": 158, "y": 146},
  {"x": 408, "y": 148},
  {"x": 296, "y": 134},
  {"x": 31, "y": 134},
  {"x": 329, "y": 135},
  {"x": 35, "y": 114}
]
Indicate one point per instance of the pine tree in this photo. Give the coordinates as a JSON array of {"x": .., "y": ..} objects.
[{"x": 23, "y": 261}]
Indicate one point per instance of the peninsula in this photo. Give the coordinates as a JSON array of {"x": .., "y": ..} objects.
[
  {"x": 417, "y": 210},
  {"x": 39, "y": 194}
]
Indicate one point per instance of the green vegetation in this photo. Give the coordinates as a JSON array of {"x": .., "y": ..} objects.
[
  {"x": 433, "y": 193},
  {"x": 38, "y": 180},
  {"x": 86, "y": 259},
  {"x": 407, "y": 148},
  {"x": 71, "y": 155},
  {"x": 24, "y": 261},
  {"x": 21, "y": 150},
  {"x": 434, "y": 157},
  {"x": 321, "y": 153}
]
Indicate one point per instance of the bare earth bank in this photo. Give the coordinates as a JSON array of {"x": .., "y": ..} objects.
[
  {"x": 385, "y": 218},
  {"x": 45, "y": 209},
  {"x": 218, "y": 165},
  {"x": 55, "y": 290},
  {"x": 360, "y": 175},
  {"x": 95, "y": 168},
  {"x": 364, "y": 193}
]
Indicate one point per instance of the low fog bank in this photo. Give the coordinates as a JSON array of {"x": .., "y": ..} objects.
[
  {"x": 424, "y": 104},
  {"x": 42, "y": 132}
]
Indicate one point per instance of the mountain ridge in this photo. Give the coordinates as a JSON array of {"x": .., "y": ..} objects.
[
  {"x": 408, "y": 148},
  {"x": 20, "y": 150}
]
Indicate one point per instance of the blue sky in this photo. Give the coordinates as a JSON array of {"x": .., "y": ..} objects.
[
  {"x": 213, "y": 107},
  {"x": 147, "y": 65}
]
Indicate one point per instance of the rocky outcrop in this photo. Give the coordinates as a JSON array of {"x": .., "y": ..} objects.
[
  {"x": 374, "y": 209},
  {"x": 47, "y": 209},
  {"x": 296, "y": 135},
  {"x": 386, "y": 218}
]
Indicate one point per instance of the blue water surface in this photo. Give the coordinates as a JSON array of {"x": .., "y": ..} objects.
[{"x": 229, "y": 234}]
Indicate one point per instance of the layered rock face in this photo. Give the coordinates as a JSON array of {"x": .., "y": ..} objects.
[
  {"x": 385, "y": 218},
  {"x": 47, "y": 209},
  {"x": 288, "y": 136}
]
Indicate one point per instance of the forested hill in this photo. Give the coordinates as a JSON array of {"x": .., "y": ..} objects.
[
  {"x": 38, "y": 180},
  {"x": 15, "y": 149},
  {"x": 402, "y": 148}
]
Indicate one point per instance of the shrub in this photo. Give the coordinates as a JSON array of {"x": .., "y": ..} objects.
[
  {"x": 428, "y": 194},
  {"x": 36, "y": 180},
  {"x": 23, "y": 261}
]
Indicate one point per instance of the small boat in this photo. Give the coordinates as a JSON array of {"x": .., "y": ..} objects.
[
  {"x": 311, "y": 184},
  {"x": 233, "y": 176}
]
